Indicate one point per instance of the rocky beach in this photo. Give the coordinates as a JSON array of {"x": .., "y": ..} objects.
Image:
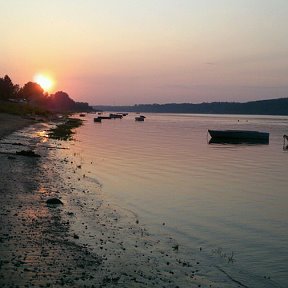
[{"x": 84, "y": 241}]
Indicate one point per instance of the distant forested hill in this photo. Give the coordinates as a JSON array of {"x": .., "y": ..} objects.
[{"x": 262, "y": 107}]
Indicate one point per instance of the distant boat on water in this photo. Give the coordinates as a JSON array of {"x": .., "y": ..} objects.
[
  {"x": 104, "y": 117},
  {"x": 98, "y": 120},
  {"x": 140, "y": 118},
  {"x": 285, "y": 146},
  {"x": 116, "y": 116},
  {"x": 238, "y": 136}
]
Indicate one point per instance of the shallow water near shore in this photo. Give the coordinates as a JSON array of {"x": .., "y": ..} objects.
[{"x": 230, "y": 200}]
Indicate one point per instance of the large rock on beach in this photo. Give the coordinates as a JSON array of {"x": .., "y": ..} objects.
[{"x": 54, "y": 201}]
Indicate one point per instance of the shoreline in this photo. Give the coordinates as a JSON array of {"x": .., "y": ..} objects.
[
  {"x": 86, "y": 242},
  {"x": 35, "y": 247}
]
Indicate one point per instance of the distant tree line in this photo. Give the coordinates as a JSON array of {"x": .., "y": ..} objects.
[
  {"x": 33, "y": 94},
  {"x": 262, "y": 107}
]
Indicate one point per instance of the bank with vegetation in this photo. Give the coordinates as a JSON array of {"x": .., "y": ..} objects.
[
  {"x": 262, "y": 107},
  {"x": 31, "y": 99}
]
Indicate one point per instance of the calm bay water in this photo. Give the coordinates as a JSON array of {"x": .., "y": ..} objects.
[{"x": 232, "y": 197}]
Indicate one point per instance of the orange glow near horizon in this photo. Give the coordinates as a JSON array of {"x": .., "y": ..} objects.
[
  {"x": 44, "y": 81},
  {"x": 140, "y": 52}
]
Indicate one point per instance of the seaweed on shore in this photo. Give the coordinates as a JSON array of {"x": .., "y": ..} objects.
[{"x": 64, "y": 131}]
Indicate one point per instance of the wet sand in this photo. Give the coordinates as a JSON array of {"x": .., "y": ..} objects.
[
  {"x": 10, "y": 123},
  {"x": 35, "y": 247},
  {"x": 85, "y": 242}
]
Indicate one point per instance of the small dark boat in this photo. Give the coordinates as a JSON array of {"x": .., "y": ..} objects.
[
  {"x": 104, "y": 117},
  {"x": 98, "y": 119},
  {"x": 238, "y": 136},
  {"x": 140, "y": 118},
  {"x": 285, "y": 146},
  {"x": 116, "y": 116},
  {"x": 82, "y": 115}
]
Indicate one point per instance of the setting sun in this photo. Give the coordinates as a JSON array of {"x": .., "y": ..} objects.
[{"x": 44, "y": 81}]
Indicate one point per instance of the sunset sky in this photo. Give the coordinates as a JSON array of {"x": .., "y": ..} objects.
[{"x": 121, "y": 52}]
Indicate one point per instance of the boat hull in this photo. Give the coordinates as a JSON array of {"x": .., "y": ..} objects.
[
  {"x": 140, "y": 118},
  {"x": 238, "y": 135},
  {"x": 98, "y": 120}
]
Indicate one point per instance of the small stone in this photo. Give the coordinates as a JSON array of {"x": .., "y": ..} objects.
[
  {"x": 54, "y": 201},
  {"x": 75, "y": 236}
]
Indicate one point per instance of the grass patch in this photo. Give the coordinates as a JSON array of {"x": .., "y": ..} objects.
[{"x": 64, "y": 131}]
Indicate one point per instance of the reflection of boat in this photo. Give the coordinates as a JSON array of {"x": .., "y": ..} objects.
[
  {"x": 98, "y": 119},
  {"x": 238, "y": 136},
  {"x": 140, "y": 118}
]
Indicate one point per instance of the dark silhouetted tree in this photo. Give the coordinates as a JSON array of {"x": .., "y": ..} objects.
[
  {"x": 60, "y": 101},
  {"x": 7, "y": 88},
  {"x": 33, "y": 93}
]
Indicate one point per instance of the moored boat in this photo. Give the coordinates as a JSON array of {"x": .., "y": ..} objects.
[
  {"x": 140, "y": 118},
  {"x": 97, "y": 119},
  {"x": 285, "y": 146},
  {"x": 116, "y": 116},
  {"x": 238, "y": 135}
]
